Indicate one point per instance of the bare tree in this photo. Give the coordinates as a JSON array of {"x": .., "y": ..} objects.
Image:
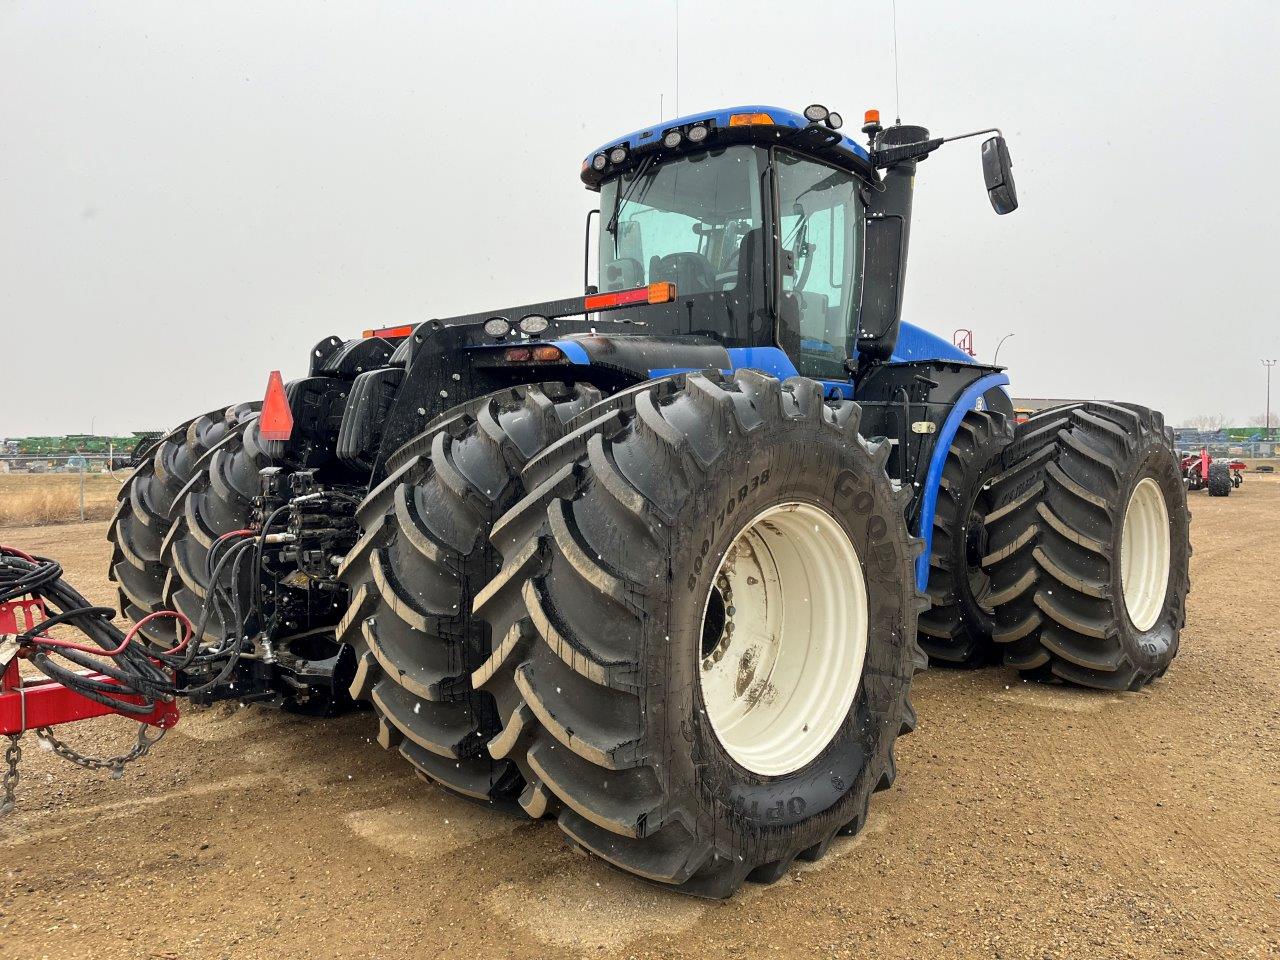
[
  {"x": 1260, "y": 420},
  {"x": 1207, "y": 422}
]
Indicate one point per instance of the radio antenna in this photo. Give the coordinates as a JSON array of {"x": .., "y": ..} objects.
[
  {"x": 897, "y": 98},
  {"x": 677, "y": 58}
]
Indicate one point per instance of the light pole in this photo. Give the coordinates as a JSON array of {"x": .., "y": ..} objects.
[
  {"x": 995, "y": 361},
  {"x": 1268, "y": 364}
]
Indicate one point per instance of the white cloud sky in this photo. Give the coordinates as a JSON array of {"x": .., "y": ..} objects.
[{"x": 194, "y": 194}]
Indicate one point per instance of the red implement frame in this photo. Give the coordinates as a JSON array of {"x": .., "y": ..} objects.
[{"x": 30, "y": 704}]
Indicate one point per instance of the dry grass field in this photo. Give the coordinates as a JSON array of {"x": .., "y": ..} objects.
[
  {"x": 1027, "y": 822},
  {"x": 38, "y": 498}
]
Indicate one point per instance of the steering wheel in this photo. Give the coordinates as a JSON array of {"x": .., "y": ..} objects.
[{"x": 803, "y": 250}]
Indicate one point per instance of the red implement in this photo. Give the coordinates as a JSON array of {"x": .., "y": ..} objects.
[{"x": 30, "y": 704}]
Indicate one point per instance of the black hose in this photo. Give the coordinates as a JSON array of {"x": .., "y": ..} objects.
[{"x": 139, "y": 670}]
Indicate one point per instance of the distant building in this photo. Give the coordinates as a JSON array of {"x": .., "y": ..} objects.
[{"x": 1024, "y": 407}]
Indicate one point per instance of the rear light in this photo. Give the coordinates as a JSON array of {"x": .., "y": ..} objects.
[
  {"x": 276, "y": 421},
  {"x": 654, "y": 293},
  {"x": 749, "y": 119},
  {"x": 389, "y": 333},
  {"x": 544, "y": 353}
]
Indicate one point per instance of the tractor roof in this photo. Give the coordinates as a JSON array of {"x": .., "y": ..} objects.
[{"x": 745, "y": 124}]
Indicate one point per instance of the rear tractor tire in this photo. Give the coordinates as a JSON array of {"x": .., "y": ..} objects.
[
  {"x": 1090, "y": 547},
  {"x": 956, "y": 629},
  {"x": 705, "y": 629},
  {"x": 423, "y": 553},
  {"x": 217, "y": 500},
  {"x": 143, "y": 518}
]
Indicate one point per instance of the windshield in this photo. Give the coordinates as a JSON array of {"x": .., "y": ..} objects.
[
  {"x": 697, "y": 223},
  {"x": 820, "y": 218}
]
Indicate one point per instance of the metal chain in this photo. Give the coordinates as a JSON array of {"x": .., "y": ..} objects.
[
  {"x": 116, "y": 764},
  {"x": 9, "y": 782}
]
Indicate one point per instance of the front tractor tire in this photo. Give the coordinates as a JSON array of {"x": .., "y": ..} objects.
[
  {"x": 956, "y": 629},
  {"x": 423, "y": 553},
  {"x": 1090, "y": 547},
  {"x": 705, "y": 629}
]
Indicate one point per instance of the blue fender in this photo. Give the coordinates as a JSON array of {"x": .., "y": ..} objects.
[{"x": 933, "y": 479}]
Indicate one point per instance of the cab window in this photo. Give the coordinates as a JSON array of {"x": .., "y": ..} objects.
[
  {"x": 696, "y": 222},
  {"x": 819, "y": 239}
]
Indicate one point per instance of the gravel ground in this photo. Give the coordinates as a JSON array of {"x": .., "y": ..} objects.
[{"x": 1027, "y": 821}]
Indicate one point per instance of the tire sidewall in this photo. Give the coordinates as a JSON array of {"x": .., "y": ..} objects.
[{"x": 1152, "y": 649}]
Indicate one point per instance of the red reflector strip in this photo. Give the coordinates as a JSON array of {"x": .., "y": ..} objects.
[
  {"x": 276, "y": 421},
  {"x": 653, "y": 293},
  {"x": 389, "y": 333}
]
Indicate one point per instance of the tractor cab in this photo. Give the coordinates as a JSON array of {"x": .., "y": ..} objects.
[
  {"x": 747, "y": 271},
  {"x": 775, "y": 230},
  {"x": 754, "y": 215}
]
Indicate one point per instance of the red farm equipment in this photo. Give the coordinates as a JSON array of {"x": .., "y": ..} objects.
[
  {"x": 1217, "y": 475},
  {"x": 111, "y": 676}
]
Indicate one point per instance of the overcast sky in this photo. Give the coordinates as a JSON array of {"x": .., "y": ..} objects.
[{"x": 194, "y": 194}]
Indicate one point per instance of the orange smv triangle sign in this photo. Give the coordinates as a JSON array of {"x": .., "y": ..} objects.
[{"x": 276, "y": 422}]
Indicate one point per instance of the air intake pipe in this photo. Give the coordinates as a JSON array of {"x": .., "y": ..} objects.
[{"x": 888, "y": 230}]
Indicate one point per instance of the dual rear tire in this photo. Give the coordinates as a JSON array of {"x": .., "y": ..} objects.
[
  {"x": 680, "y": 622},
  {"x": 1090, "y": 547},
  {"x": 141, "y": 528},
  {"x": 661, "y": 738},
  {"x": 413, "y": 574}
]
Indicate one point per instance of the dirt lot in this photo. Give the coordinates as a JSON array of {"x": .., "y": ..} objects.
[{"x": 1026, "y": 822}]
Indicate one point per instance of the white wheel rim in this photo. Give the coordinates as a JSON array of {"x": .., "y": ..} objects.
[
  {"x": 1144, "y": 554},
  {"x": 779, "y": 679}
]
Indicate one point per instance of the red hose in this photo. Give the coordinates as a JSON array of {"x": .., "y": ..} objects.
[
  {"x": 189, "y": 630},
  {"x": 128, "y": 637}
]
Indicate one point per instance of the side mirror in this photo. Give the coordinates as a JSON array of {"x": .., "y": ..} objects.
[{"x": 997, "y": 170}]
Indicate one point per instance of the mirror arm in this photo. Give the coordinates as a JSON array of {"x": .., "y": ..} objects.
[
  {"x": 888, "y": 156},
  {"x": 975, "y": 133}
]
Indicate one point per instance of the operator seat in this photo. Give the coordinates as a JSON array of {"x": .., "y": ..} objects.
[
  {"x": 690, "y": 272},
  {"x": 625, "y": 273},
  {"x": 747, "y": 296}
]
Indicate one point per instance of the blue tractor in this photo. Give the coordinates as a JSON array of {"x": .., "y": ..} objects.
[{"x": 660, "y": 560}]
